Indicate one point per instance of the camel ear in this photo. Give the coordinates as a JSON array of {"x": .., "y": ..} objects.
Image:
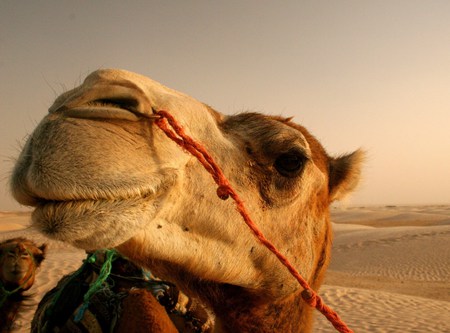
[
  {"x": 40, "y": 256},
  {"x": 345, "y": 174}
]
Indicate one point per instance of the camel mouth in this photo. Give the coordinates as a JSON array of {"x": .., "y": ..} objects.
[
  {"x": 55, "y": 210},
  {"x": 99, "y": 195},
  {"x": 89, "y": 214},
  {"x": 18, "y": 272}
]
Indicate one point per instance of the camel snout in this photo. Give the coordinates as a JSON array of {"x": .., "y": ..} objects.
[{"x": 103, "y": 96}]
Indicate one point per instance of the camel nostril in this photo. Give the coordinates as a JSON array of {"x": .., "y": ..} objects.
[
  {"x": 123, "y": 108},
  {"x": 129, "y": 104},
  {"x": 104, "y": 100},
  {"x": 91, "y": 111}
]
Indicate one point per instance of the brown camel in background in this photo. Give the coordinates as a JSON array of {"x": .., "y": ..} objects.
[{"x": 19, "y": 260}]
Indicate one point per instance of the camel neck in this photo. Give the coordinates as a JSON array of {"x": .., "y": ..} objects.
[
  {"x": 247, "y": 313},
  {"x": 9, "y": 310}
]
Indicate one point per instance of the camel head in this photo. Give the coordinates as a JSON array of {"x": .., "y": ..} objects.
[
  {"x": 101, "y": 174},
  {"x": 19, "y": 259}
]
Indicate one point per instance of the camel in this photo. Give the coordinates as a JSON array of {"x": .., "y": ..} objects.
[
  {"x": 19, "y": 259},
  {"x": 127, "y": 300},
  {"x": 100, "y": 174}
]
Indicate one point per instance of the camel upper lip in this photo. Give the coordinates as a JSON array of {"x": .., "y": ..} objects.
[{"x": 85, "y": 192}]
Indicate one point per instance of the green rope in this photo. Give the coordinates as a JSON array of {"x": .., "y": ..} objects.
[
  {"x": 98, "y": 284},
  {"x": 4, "y": 294}
]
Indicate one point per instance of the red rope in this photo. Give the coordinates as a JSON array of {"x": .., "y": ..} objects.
[{"x": 224, "y": 191}]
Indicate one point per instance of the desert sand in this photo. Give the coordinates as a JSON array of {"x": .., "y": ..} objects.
[{"x": 390, "y": 268}]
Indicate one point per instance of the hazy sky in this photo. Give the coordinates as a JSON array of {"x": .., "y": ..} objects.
[{"x": 371, "y": 74}]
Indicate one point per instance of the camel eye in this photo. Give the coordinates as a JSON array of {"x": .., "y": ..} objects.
[{"x": 290, "y": 164}]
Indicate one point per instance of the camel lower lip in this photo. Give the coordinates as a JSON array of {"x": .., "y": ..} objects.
[
  {"x": 57, "y": 210},
  {"x": 48, "y": 214},
  {"x": 73, "y": 221}
]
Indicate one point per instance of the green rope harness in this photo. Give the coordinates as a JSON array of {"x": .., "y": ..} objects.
[
  {"x": 94, "y": 287},
  {"x": 102, "y": 286},
  {"x": 98, "y": 284},
  {"x": 4, "y": 293}
]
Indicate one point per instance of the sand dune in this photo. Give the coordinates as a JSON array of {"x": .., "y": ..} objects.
[
  {"x": 408, "y": 253},
  {"x": 378, "y": 311},
  {"x": 391, "y": 216},
  {"x": 390, "y": 268},
  {"x": 389, "y": 278}
]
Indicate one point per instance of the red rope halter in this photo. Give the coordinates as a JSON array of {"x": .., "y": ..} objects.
[{"x": 224, "y": 191}]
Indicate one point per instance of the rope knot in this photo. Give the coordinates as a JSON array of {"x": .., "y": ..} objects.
[
  {"x": 223, "y": 192},
  {"x": 309, "y": 297}
]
